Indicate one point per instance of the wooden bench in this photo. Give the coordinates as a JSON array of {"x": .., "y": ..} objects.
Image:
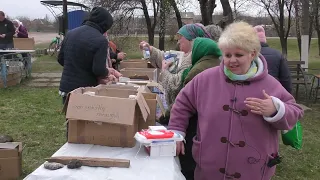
[{"x": 298, "y": 77}]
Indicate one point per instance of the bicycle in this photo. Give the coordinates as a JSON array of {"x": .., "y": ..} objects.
[{"x": 55, "y": 45}]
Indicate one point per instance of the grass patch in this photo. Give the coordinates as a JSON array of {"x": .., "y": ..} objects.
[
  {"x": 46, "y": 64},
  {"x": 32, "y": 116},
  {"x": 42, "y": 45},
  {"x": 303, "y": 164}
]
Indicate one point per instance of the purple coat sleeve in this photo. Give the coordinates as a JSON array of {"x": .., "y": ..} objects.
[
  {"x": 290, "y": 112},
  {"x": 184, "y": 108},
  {"x": 23, "y": 33}
]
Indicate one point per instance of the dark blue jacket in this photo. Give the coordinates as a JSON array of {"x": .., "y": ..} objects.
[
  {"x": 277, "y": 66},
  {"x": 83, "y": 52}
]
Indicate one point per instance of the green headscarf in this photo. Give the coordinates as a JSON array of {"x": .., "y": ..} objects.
[
  {"x": 192, "y": 31},
  {"x": 202, "y": 47}
]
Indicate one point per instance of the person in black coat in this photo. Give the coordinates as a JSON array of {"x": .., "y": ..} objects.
[
  {"x": 277, "y": 64},
  {"x": 83, "y": 52},
  {"x": 7, "y": 31}
]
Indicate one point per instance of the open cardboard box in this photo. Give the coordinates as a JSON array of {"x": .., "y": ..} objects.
[
  {"x": 147, "y": 85},
  {"x": 24, "y": 43},
  {"x": 10, "y": 160},
  {"x": 135, "y": 63},
  {"x": 107, "y": 118},
  {"x": 151, "y": 73},
  {"x": 152, "y": 100},
  {"x": 12, "y": 79}
]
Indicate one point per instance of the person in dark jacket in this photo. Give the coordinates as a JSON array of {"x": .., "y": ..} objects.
[
  {"x": 83, "y": 52},
  {"x": 116, "y": 55},
  {"x": 7, "y": 31},
  {"x": 277, "y": 64}
]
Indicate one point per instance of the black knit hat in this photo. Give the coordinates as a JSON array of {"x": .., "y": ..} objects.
[{"x": 101, "y": 17}]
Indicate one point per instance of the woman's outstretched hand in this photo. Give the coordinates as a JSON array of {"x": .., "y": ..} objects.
[{"x": 264, "y": 107}]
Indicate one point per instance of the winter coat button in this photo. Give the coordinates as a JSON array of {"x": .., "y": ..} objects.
[
  {"x": 237, "y": 175},
  {"x": 244, "y": 113},
  {"x": 224, "y": 140}
]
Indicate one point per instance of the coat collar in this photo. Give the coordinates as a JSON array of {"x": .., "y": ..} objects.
[{"x": 258, "y": 77}]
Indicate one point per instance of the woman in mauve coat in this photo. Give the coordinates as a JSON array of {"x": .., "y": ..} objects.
[
  {"x": 21, "y": 31},
  {"x": 240, "y": 110}
]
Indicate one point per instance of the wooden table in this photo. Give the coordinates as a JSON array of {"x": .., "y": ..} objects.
[{"x": 4, "y": 60}]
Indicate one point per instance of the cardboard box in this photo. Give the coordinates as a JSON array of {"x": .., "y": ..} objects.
[
  {"x": 10, "y": 160},
  {"x": 148, "y": 85},
  {"x": 12, "y": 79},
  {"x": 24, "y": 43},
  {"x": 134, "y": 64},
  {"x": 131, "y": 72},
  {"x": 151, "y": 99},
  {"x": 163, "y": 149},
  {"x": 108, "y": 118}
]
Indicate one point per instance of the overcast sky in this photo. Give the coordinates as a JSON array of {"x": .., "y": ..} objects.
[{"x": 34, "y": 9}]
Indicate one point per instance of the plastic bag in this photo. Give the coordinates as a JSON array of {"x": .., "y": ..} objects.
[{"x": 293, "y": 137}]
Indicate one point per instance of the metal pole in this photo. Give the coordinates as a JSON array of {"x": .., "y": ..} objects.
[{"x": 65, "y": 17}]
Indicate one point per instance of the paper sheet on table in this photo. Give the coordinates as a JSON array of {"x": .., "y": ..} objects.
[{"x": 141, "y": 166}]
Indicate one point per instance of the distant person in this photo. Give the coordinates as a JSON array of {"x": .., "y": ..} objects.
[
  {"x": 83, "y": 53},
  {"x": 7, "y": 31},
  {"x": 277, "y": 64},
  {"x": 116, "y": 55},
  {"x": 21, "y": 31}
]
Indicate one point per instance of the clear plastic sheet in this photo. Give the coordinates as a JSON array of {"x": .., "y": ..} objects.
[{"x": 141, "y": 165}]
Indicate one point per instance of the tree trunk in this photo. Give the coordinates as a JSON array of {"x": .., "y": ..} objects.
[
  {"x": 284, "y": 43},
  {"x": 312, "y": 18},
  {"x": 298, "y": 25},
  {"x": 310, "y": 29},
  {"x": 177, "y": 12},
  {"x": 162, "y": 24},
  {"x": 305, "y": 32},
  {"x": 148, "y": 22},
  {"x": 316, "y": 23},
  {"x": 211, "y": 6},
  {"x": 318, "y": 34},
  {"x": 204, "y": 12},
  {"x": 227, "y": 13}
]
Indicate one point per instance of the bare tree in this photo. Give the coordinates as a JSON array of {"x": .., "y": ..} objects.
[
  {"x": 150, "y": 27},
  {"x": 124, "y": 11},
  {"x": 300, "y": 20},
  {"x": 297, "y": 9},
  {"x": 174, "y": 5},
  {"x": 278, "y": 10},
  {"x": 317, "y": 23},
  {"x": 207, "y": 7},
  {"x": 227, "y": 14},
  {"x": 164, "y": 9},
  {"x": 239, "y": 7}
]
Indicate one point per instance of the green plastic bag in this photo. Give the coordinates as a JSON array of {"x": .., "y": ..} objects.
[{"x": 293, "y": 137}]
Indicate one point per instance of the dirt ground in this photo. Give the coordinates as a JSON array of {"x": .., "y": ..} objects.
[{"x": 41, "y": 37}]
